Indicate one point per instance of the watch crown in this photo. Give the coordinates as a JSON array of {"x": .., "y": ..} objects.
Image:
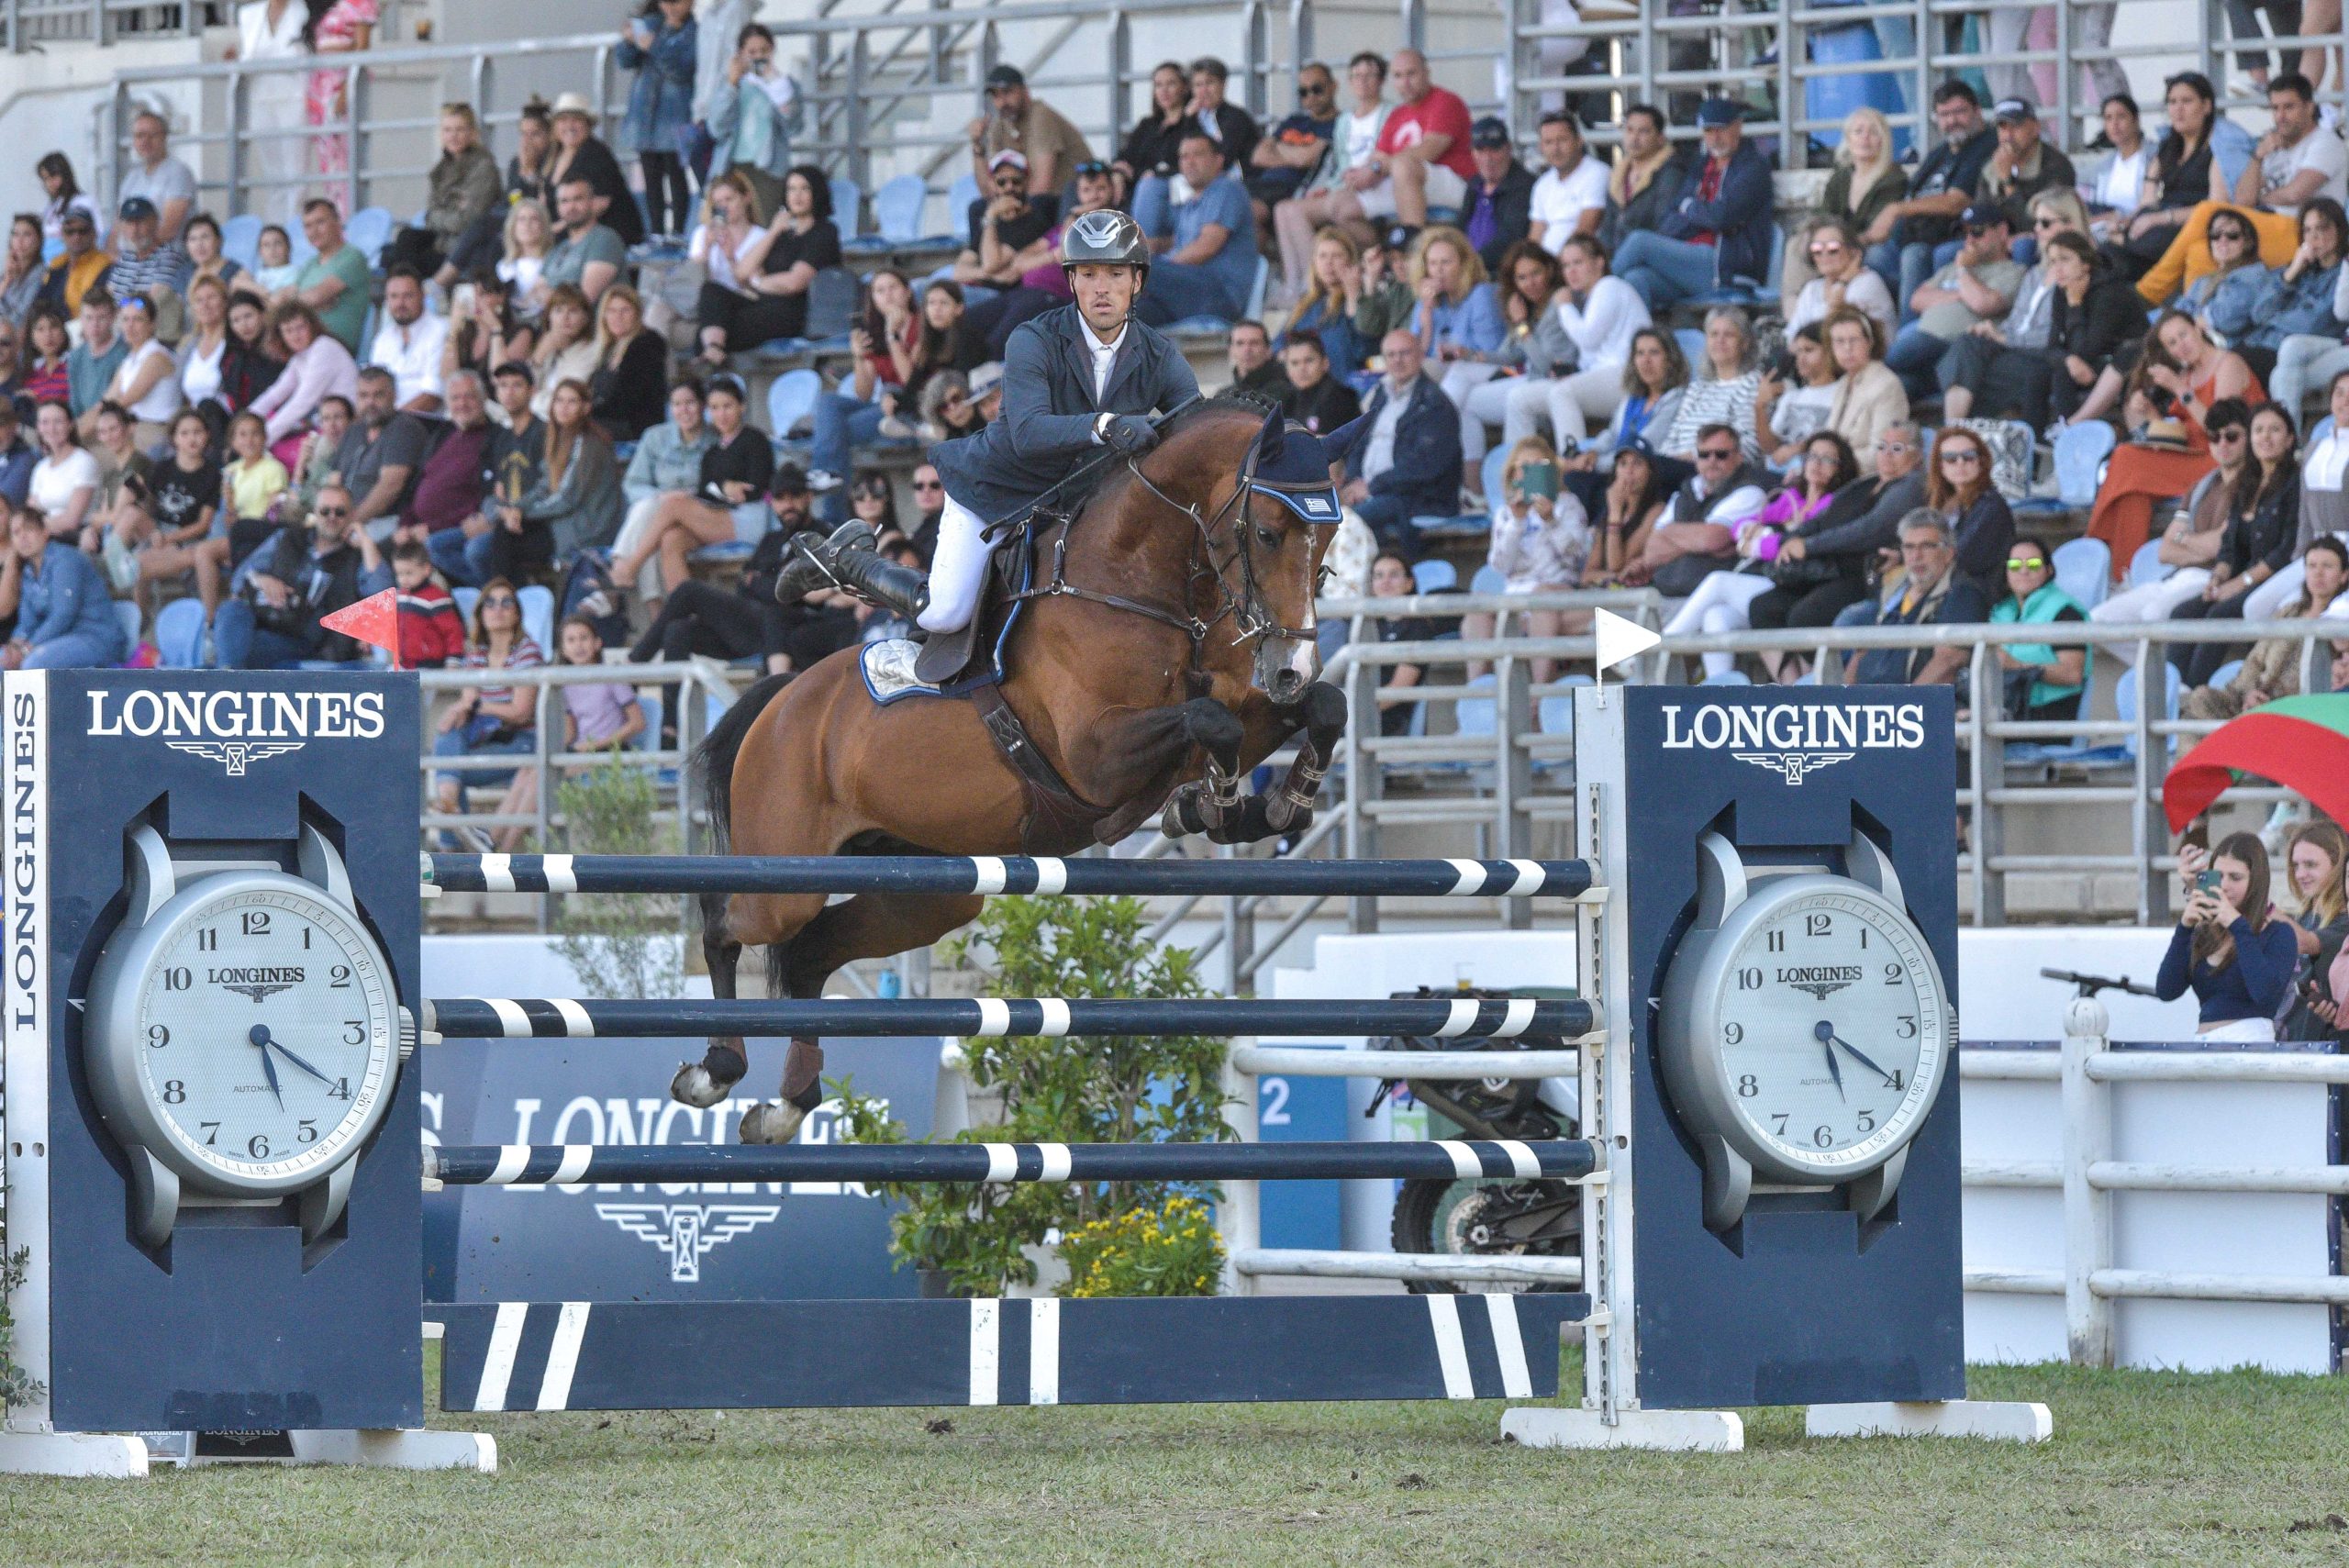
[{"x": 407, "y": 1034}]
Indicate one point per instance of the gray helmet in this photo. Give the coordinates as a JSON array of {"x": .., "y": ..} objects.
[{"x": 1106, "y": 238}]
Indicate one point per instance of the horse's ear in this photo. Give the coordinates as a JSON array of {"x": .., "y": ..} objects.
[
  {"x": 1339, "y": 440},
  {"x": 1272, "y": 439}
]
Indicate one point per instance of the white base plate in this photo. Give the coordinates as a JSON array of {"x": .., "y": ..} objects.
[
  {"x": 1693, "y": 1431},
  {"x": 1993, "y": 1420},
  {"x": 126, "y": 1457},
  {"x": 73, "y": 1453}
]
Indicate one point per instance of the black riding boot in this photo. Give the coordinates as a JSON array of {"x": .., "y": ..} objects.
[{"x": 884, "y": 581}]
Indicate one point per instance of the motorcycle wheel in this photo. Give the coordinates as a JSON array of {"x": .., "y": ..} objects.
[{"x": 1432, "y": 1216}]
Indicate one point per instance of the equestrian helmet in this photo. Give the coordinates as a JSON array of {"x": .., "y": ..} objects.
[{"x": 1105, "y": 237}]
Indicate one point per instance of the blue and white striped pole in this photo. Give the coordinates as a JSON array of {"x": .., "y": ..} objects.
[
  {"x": 562, "y": 1017},
  {"x": 989, "y": 875},
  {"x": 571, "y": 1164}
]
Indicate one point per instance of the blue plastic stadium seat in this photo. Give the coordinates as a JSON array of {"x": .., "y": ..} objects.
[
  {"x": 2084, "y": 569},
  {"x": 370, "y": 229},
  {"x": 2145, "y": 566},
  {"x": 241, "y": 239},
  {"x": 1435, "y": 576},
  {"x": 791, "y": 399}
]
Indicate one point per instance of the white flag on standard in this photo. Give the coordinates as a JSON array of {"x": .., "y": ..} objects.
[{"x": 1620, "y": 640}]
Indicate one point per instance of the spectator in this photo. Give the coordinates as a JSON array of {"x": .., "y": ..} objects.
[
  {"x": 380, "y": 454},
  {"x": 17, "y": 457},
  {"x": 1458, "y": 320},
  {"x": 800, "y": 242},
  {"x": 1314, "y": 398},
  {"x": 1931, "y": 594},
  {"x": 64, "y": 620},
  {"x": 2028, "y": 320},
  {"x": 662, "y": 44},
  {"x": 145, "y": 268},
  {"x": 1636, "y": 491},
  {"x": 1281, "y": 162},
  {"x": 1719, "y": 230},
  {"x": 1822, "y": 566},
  {"x": 1540, "y": 543},
  {"x": 2228, "y": 946},
  {"x": 930, "y": 502},
  {"x": 631, "y": 381},
  {"x": 2323, "y": 505},
  {"x": 2023, "y": 164},
  {"x": 2041, "y": 682},
  {"x": 1695, "y": 533},
  {"x": 63, "y": 488},
  {"x": 2295, "y": 163},
  {"x": 987, "y": 392},
  {"x": 313, "y": 467},
  {"x": 1386, "y": 300},
  {"x": 1904, "y": 239},
  {"x": 2189, "y": 373},
  {"x": 2315, "y": 855},
  {"x": 1570, "y": 197},
  {"x": 1868, "y": 395},
  {"x": 146, "y": 380},
  {"x": 90, "y": 367},
  {"x": 1655, "y": 380},
  {"x": 887, "y": 344},
  {"x": 1016, "y": 121},
  {"x": 2120, "y": 184},
  {"x": 255, "y": 358},
  {"x": 948, "y": 341},
  {"x": 1977, "y": 286},
  {"x": 122, "y": 467},
  {"x": 335, "y": 282},
  {"x": 1420, "y": 158},
  {"x": 250, "y": 485},
  {"x": 1574, "y": 353},
  {"x": 1390, "y": 578},
  {"x": 201, "y": 240},
  {"x": 12, "y": 371},
  {"x": 518, "y": 447},
  {"x": 1645, "y": 181},
  {"x": 277, "y": 269},
  {"x": 1723, "y": 390},
  {"x": 667, "y": 458},
  {"x": 445, "y": 514},
  {"x": 2272, "y": 668},
  {"x": 947, "y": 409},
  {"x": 2242, "y": 23},
  {"x": 2262, "y": 514},
  {"x": 204, "y": 353},
  {"x": 718, "y": 29},
  {"x": 1721, "y": 599},
  {"x": 566, "y": 350},
  {"x": 1404, "y": 461},
  {"x": 1334, "y": 291},
  {"x": 581, "y": 154},
  {"x": 80, "y": 269},
  {"x": 2093, "y": 316},
  {"x": 304, "y": 573},
  {"x": 1152, "y": 146},
  {"x": 55, "y": 172},
  {"x": 1981, "y": 525},
  {"x": 1299, "y": 222},
  {"x": 158, "y": 532},
  {"x": 529, "y": 174},
  {"x": 156, "y": 177},
  {"x": 1038, "y": 283},
  {"x": 21, "y": 275},
  {"x": 1207, "y": 250},
  {"x": 462, "y": 209},
  {"x": 1535, "y": 344},
  {"x": 598, "y": 716},
  {"x": 2185, "y": 176},
  {"x": 2300, "y": 314},
  {"x": 529, "y": 243},
  {"x": 431, "y": 631},
  {"x": 728, "y": 505},
  {"x": 410, "y": 343},
  {"x": 493, "y": 717},
  {"x": 337, "y": 27},
  {"x": 2236, "y": 278},
  {"x": 1783, "y": 419},
  {"x": 576, "y": 504},
  {"x": 1003, "y": 226},
  {"x": 703, "y": 620},
  {"x": 1865, "y": 180},
  {"x": 1496, "y": 211},
  {"x": 2190, "y": 543},
  {"x": 1839, "y": 277},
  {"x": 587, "y": 254},
  {"x": 1253, "y": 368},
  {"x": 489, "y": 334}
]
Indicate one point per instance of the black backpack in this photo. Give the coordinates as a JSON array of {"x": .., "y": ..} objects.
[{"x": 588, "y": 590}]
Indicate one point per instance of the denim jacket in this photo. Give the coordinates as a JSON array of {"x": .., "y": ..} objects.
[{"x": 661, "y": 100}]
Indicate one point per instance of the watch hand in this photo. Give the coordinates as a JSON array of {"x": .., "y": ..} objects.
[
  {"x": 1824, "y": 1033},
  {"x": 259, "y": 1037},
  {"x": 263, "y": 1038},
  {"x": 1861, "y": 1057}
]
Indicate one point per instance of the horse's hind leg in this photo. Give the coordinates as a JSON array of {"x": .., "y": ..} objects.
[
  {"x": 868, "y": 926},
  {"x": 709, "y": 1080}
]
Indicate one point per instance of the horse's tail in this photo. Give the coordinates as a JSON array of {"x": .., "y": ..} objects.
[{"x": 715, "y": 756}]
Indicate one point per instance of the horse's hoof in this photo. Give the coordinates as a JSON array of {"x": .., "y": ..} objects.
[
  {"x": 692, "y": 1085},
  {"x": 775, "y": 1122}
]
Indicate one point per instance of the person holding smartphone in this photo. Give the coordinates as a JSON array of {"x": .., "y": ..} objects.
[
  {"x": 2228, "y": 948},
  {"x": 1541, "y": 542}
]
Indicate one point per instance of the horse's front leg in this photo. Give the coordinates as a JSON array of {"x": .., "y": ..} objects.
[
  {"x": 1212, "y": 804},
  {"x": 1322, "y": 714}
]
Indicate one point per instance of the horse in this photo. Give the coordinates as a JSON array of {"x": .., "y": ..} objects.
[{"x": 1170, "y": 652}]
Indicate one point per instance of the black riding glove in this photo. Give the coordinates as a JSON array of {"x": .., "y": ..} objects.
[{"x": 1128, "y": 433}]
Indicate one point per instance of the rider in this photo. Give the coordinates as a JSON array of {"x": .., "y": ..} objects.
[{"x": 1077, "y": 379}]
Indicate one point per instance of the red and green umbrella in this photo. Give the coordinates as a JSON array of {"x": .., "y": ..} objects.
[{"x": 2299, "y": 742}]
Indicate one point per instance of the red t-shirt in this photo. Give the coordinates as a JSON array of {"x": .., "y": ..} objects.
[{"x": 1440, "y": 113}]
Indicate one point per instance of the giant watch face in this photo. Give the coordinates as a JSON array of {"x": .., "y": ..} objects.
[{"x": 254, "y": 1026}]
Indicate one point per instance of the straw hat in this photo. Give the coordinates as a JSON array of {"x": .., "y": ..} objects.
[{"x": 572, "y": 103}]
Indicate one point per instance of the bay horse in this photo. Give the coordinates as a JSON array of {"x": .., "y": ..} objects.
[{"x": 1171, "y": 651}]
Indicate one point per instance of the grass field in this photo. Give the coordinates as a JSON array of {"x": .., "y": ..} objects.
[{"x": 2145, "y": 1468}]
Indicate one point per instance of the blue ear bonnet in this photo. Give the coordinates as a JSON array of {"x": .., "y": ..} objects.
[{"x": 1292, "y": 466}]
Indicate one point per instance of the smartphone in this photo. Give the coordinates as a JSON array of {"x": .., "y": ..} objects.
[
  {"x": 2207, "y": 881},
  {"x": 1539, "y": 479},
  {"x": 1782, "y": 366}
]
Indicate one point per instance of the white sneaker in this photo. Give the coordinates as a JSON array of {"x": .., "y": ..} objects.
[{"x": 820, "y": 480}]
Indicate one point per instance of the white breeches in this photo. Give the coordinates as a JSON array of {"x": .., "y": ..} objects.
[
  {"x": 1717, "y": 605},
  {"x": 956, "y": 569},
  {"x": 2153, "y": 601}
]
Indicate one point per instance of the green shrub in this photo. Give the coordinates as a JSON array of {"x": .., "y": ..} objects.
[
  {"x": 1170, "y": 1250},
  {"x": 617, "y": 944}
]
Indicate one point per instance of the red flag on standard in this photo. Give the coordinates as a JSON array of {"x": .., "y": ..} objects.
[{"x": 374, "y": 620}]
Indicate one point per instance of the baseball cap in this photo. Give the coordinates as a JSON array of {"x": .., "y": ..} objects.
[
  {"x": 138, "y": 207},
  {"x": 1490, "y": 131},
  {"x": 2007, "y": 111},
  {"x": 789, "y": 479},
  {"x": 1981, "y": 214},
  {"x": 1009, "y": 157},
  {"x": 986, "y": 379},
  {"x": 1714, "y": 112},
  {"x": 1005, "y": 77}
]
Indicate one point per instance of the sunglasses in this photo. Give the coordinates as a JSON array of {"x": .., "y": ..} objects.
[
  {"x": 1311, "y": 89},
  {"x": 2025, "y": 563},
  {"x": 2044, "y": 221},
  {"x": 334, "y": 511},
  {"x": 1093, "y": 166},
  {"x": 1010, "y": 181},
  {"x": 2230, "y": 433},
  {"x": 1721, "y": 454},
  {"x": 1977, "y": 230},
  {"x": 1827, "y": 248},
  {"x": 2234, "y": 237},
  {"x": 928, "y": 484},
  {"x": 501, "y": 602}
]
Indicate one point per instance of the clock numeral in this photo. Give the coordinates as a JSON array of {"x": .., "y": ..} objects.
[
  {"x": 358, "y": 1034},
  {"x": 178, "y": 979},
  {"x": 339, "y": 977},
  {"x": 309, "y": 1133},
  {"x": 1749, "y": 979},
  {"x": 211, "y": 1133},
  {"x": 1896, "y": 1081},
  {"x": 208, "y": 939},
  {"x": 1823, "y": 1136},
  {"x": 1907, "y": 1030},
  {"x": 341, "y": 1090},
  {"x": 1863, "y": 936},
  {"x": 174, "y": 1091},
  {"x": 1780, "y": 1117},
  {"x": 1818, "y": 926},
  {"x": 256, "y": 923},
  {"x": 1892, "y": 973},
  {"x": 1747, "y": 1088},
  {"x": 1868, "y": 1121},
  {"x": 306, "y": 939},
  {"x": 258, "y": 1147},
  {"x": 1777, "y": 941},
  {"x": 158, "y": 1036},
  {"x": 1734, "y": 1034}
]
